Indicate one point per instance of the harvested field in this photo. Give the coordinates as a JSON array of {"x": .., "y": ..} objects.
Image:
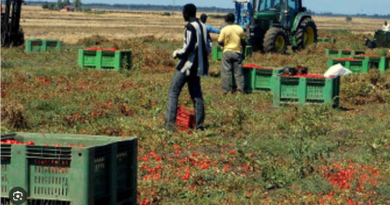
[{"x": 249, "y": 153}]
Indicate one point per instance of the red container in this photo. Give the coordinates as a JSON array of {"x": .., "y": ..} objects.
[{"x": 185, "y": 118}]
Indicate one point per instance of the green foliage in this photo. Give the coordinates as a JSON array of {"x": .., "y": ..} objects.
[
  {"x": 45, "y": 5},
  {"x": 66, "y": 3},
  {"x": 59, "y": 4},
  {"x": 77, "y": 4}
]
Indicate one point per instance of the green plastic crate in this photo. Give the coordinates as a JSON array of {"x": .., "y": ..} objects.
[
  {"x": 356, "y": 66},
  {"x": 217, "y": 52},
  {"x": 41, "y": 45},
  {"x": 328, "y": 40},
  {"x": 342, "y": 53},
  {"x": 264, "y": 78},
  {"x": 103, "y": 172},
  {"x": 113, "y": 60},
  {"x": 382, "y": 63},
  {"x": 259, "y": 78},
  {"x": 248, "y": 75},
  {"x": 306, "y": 90}
]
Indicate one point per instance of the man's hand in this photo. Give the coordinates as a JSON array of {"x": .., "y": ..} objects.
[{"x": 174, "y": 54}]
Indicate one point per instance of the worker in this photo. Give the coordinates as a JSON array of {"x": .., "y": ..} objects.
[
  {"x": 386, "y": 27},
  {"x": 193, "y": 64},
  {"x": 210, "y": 29},
  {"x": 232, "y": 38}
]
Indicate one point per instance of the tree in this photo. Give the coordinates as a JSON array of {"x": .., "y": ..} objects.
[
  {"x": 59, "y": 4},
  {"x": 77, "y": 4},
  {"x": 66, "y": 2},
  {"x": 45, "y": 5}
]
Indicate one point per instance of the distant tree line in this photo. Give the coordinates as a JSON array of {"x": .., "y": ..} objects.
[
  {"x": 149, "y": 7},
  {"x": 378, "y": 16},
  {"x": 140, "y": 7},
  {"x": 60, "y": 4}
]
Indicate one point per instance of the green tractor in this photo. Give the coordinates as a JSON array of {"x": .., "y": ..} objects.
[
  {"x": 381, "y": 40},
  {"x": 272, "y": 25}
]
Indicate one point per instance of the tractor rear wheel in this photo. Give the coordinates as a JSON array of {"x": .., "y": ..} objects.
[
  {"x": 275, "y": 41},
  {"x": 306, "y": 34}
]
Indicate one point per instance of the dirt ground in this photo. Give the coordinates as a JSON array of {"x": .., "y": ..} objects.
[{"x": 69, "y": 27}]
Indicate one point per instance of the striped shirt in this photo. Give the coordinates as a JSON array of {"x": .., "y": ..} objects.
[{"x": 196, "y": 50}]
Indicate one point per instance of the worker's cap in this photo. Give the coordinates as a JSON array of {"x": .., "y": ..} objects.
[{"x": 203, "y": 17}]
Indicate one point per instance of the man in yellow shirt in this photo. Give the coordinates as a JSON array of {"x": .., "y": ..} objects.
[{"x": 232, "y": 38}]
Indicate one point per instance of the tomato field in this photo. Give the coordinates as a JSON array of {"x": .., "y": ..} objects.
[{"x": 249, "y": 153}]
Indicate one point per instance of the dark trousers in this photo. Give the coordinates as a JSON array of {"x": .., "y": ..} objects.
[{"x": 195, "y": 90}]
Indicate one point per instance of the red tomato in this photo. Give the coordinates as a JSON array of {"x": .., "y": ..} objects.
[
  {"x": 70, "y": 145},
  {"x": 56, "y": 145},
  {"x": 46, "y": 145},
  {"x": 82, "y": 145},
  {"x": 30, "y": 143}
]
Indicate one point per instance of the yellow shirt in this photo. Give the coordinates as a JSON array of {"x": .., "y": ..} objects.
[{"x": 231, "y": 36}]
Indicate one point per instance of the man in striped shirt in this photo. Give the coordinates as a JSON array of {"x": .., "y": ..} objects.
[{"x": 193, "y": 64}]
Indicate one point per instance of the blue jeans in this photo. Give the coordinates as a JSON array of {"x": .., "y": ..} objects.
[{"x": 195, "y": 90}]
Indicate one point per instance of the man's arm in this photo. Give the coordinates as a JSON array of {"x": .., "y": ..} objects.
[
  {"x": 189, "y": 43},
  {"x": 211, "y": 29}
]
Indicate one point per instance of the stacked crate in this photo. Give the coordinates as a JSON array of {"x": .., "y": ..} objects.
[
  {"x": 374, "y": 61},
  {"x": 302, "y": 89},
  {"x": 258, "y": 78},
  {"x": 42, "y": 45},
  {"x": 344, "y": 53},
  {"x": 109, "y": 59}
]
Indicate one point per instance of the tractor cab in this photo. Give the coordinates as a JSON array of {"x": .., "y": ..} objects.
[{"x": 285, "y": 21}]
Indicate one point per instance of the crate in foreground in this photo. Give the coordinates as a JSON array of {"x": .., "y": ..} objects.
[
  {"x": 105, "y": 59},
  {"x": 302, "y": 90},
  {"x": 374, "y": 61},
  {"x": 41, "y": 45},
  {"x": 70, "y": 169},
  {"x": 355, "y": 65},
  {"x": 344, "y": 53}
]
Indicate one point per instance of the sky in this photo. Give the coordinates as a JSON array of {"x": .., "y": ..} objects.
[{"x": 334, "y": 6}]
